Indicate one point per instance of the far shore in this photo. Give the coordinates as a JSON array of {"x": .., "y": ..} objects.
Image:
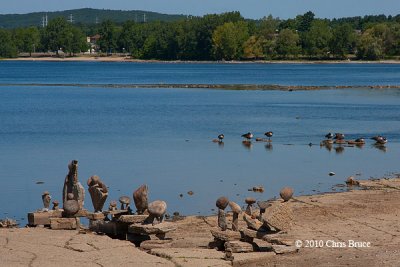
[{"x": 129, "y": 59}]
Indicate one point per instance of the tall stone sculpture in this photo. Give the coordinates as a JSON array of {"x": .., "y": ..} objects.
[
  {"x": 98, "y": 192},
  {"x": 140, "y": 198},
  {"x": 73, "y": 186}
]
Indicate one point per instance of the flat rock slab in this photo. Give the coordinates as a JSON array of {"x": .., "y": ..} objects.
[
  {"x": 132, "y": 218},
  {"x": 252, "y": 258},
  {"x": 279, "y": 216},
  {"x": 282, "y": 249},
  {"x": 279, "y": 239},
  {"x": 253, "y": 233},
  {"x": 47, "y": 248},
  {"x": 64, "y": 223},
  {"x": 226, "y": 235},
  {"x": 153, "y": 244},
  {"x": 188, "y": 253},
  {"x": 239, "y": 247},
  {"x": 43, "y": 218},
  {"x": 95, "y": 216},
  {"x": 111, "y": 228},
  {"x": 149, "y": 229}
]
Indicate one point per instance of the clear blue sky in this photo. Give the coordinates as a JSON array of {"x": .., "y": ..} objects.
[{"x": 248, "y": 8}]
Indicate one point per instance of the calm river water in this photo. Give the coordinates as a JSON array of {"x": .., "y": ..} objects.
[{"x": 162, "y": 137}]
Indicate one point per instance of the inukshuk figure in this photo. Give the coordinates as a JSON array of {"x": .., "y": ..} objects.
[
  {"x": 98, "y": 192},
  {"x": 73, "y": 186},
  {"x": 221, "y": 204},
  {"x": 140, "y": 199},
  {"x": 46, "y": 198}
]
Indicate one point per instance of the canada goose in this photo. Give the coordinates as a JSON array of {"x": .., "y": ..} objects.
[
  {"x": 248, "y": 136},
  {"x": 221, "y": 137},
  {"x": 339, "y": 136},
  {"x": 269, "y": 135}
]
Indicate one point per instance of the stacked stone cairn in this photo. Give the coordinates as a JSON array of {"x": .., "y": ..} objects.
[
  {"x": 66, "y": 218},
  {"x": 146, "y": 227},
  {"x": 264, "y": 229}
]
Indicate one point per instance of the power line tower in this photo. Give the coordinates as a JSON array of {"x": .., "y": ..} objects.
[
  {"x": 71, "y": 19},
  {"x": 97, "y": 20},
  {"x": 144, "y": 17},
  {"x": 44, "y": 21}
]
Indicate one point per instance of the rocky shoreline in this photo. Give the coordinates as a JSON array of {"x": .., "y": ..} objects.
[
  {"x": 358, "y": 227},
  {"x": 249, "y": 87}
]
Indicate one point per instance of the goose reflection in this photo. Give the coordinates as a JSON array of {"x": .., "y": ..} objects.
[
  {"x": 247, "y": 144},
  {"x": 221, "y": 144},
  {"x": 380, "y": 147},
  {"x": 269, "y": 147},
  {"x": 339, "y": 149},
  {"x": 328, "y": 147}
]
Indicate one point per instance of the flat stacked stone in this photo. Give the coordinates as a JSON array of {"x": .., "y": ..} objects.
[
  {"x": 132, "y": 218},
  {"x": 225, "y": 235},
  {"x": 148, "y": 229},
  {"x": 279, "y": 216},
  {"x": 239, "y": 246}
]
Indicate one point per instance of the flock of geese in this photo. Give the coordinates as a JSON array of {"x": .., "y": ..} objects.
[{"x": 338, "y": 137}]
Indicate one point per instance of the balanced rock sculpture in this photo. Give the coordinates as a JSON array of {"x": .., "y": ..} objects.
[
  {"x": 125, "y": 201},
  {"x": 73, "y": 186},
  {"x": 286, "y": 193},
  {"x": 71, "y": 206},
  {"x": 250, "y": 201},
  {"x": 98, "y": 192},
  {"x": 221, "y": 204},
  {"x": 157, "y": 211},
  {"x": 112, "y": 206},
  {"x": 46, "y": 198},
  {"x": 236, "y": 211},
  {"x": 140, "y": 198}
]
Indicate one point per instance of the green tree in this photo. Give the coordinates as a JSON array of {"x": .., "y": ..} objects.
[
  {"x": 304, "y": 21},
  {"x": 316, "y": 41},
  {"x": 343, "y": 40},
  {"x": 7, "y": 45},
  {"x": 253, "y": 48},
  {"x": 78, "y": 41},
  {"x": 27, "y": 39},
  {"x": 228, "y": 40},
  {"x": 56, "y": 35},
  {"x": 287, "y": 44},
  {"x": 268, "y": 27},
  {"x": 370, "y": 47},
  {"x": 108, "y": 36}
]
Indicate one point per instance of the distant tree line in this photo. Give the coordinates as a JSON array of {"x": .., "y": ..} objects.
[{"x": 226, "y": 36}]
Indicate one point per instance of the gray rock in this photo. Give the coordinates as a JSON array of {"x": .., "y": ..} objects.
[
  {"x": 157, "y": 210},
  {"x": 98, "y": 192},
  {"x": 140, "y": 197},
  {"x": 72, "y": 185},
  {"x": 222, "y": 220},
  {"x": 46, "y": 198},
  {"x": 286, "y": 193},
  {"x": 279, "y": 216},
  {"x": 239, "y": 246},
  {"x": 222, "y": 203}
]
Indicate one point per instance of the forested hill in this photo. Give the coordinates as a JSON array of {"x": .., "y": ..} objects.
[{"x": 84, "y": 16}]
